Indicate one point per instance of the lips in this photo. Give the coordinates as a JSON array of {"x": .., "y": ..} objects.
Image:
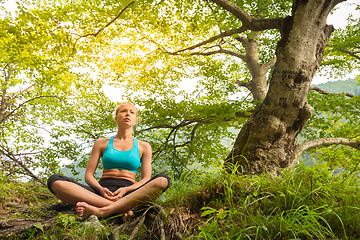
[{"x": 127, "y": 119}]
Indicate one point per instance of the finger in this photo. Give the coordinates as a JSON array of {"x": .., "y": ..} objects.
[
  {"x": 119, "y": 194},
  {"x": 108, "y": 192},
  {"x": 119, "y": 190},
  {"x": 113, "y": 199}
]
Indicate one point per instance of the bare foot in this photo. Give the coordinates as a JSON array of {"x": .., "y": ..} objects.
[
  {"x": 127, "y": 216},
  {"x": 84, "y": 210}
]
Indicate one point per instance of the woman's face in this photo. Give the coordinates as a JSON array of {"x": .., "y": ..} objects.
[{"x": 126, "y": 114}]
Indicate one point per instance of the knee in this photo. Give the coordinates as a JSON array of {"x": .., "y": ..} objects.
[
  {"x": 162, "y": 181},
  {"x": 53, "y": 180}
]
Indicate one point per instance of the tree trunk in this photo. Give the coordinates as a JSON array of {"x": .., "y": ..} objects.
[{"x": 267, "y": 140}]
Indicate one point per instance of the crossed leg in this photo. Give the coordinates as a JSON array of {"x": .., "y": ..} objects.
[
  {"x": 72, "y": 193},
  {"x": 147, "y": 193}
]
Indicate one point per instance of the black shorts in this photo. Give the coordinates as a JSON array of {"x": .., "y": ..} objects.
[{"x": 110, "y": 183}]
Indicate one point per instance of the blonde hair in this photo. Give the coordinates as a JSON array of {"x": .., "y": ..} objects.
[{"x": 124, "y": 103}]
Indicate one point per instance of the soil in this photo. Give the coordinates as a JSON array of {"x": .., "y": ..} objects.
[
  {"x": 14, "y": 219},
  {"x": 25, "y": 207},
  {"x": 164, "y": 224}
]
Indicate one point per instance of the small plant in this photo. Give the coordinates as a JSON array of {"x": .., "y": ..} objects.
[
  {"x": 66, "y": 220},
  {"x": 30, "y": 233}
]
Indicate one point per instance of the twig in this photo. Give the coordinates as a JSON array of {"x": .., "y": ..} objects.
[
  {"x": 141, "y": 222},
  {"x": 17, "y": 161},
  {"x": 327, "y": 93},
  {"x": 22, "y": 104},
  {"x": 352, "y": 171},
  {"x": 101, "y": 29},
  {"x": 258, "y": 200}
]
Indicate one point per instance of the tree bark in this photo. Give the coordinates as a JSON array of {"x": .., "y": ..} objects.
[{"x": 268, "y": 138}]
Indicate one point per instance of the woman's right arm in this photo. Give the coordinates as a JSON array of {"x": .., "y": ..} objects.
[{"x": 91, "y": 168}]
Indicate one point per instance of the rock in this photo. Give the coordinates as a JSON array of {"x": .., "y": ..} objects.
[{"x": 93, "y": 225}]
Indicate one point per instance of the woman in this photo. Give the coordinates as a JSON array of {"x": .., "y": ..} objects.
[{"x": 117, "y": 192}]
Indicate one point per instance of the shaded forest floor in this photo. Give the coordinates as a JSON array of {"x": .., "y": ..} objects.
[{"x": 308, "y": 203}]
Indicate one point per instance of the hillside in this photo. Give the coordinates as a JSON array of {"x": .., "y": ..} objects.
[
  {"x": 341, "y": 86},
  {"x": 308, "y": 203}
]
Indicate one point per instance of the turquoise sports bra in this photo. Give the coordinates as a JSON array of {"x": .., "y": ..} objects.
[{"x": 116, "y": 159}]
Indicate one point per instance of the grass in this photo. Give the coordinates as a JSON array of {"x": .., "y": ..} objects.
[{"x": 308, "y": 202}]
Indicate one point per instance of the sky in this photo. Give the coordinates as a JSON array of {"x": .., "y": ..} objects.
[
  {"x": 338, "y": 20},
  {"x": 342, "y": 11}
]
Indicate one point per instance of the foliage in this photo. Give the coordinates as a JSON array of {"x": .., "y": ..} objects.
[
  {"x": 188, "y": 133},
  {"x": 308, "y": 203},
  {"x": 336, "y": 115},
  {"x": 14, "y": 194},
  {"x": 187, "y": 100},
  {"x": 342, "y": 52},
  {"x": 45, "y": 101},
  {"x": 53, "y": 108},
  {"x": 140, "y": 55}
]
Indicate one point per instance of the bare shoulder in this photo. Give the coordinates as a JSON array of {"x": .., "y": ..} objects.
[
  {"x": 101, "y": 142},
  {"x": 144, "y": 146}
]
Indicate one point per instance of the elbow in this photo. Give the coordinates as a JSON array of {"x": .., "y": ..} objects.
[
  {"x": 87, "y": 178},
  {"x": 147, "y": 178}
]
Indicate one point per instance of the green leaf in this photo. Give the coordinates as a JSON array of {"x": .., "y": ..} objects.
[{"x": 38, "y": 225}]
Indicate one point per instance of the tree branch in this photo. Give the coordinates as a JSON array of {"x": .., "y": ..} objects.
[
  {"x": 254, "y": 24},
  {"x": 7, "y": 74},
  {"x": 157, "y": 152},
  {"x": 327, "y": 93},
  {"x": 243, "y": 40},
  {"x": 192, "y": 135},
  {"x": 101, "y": 29},
  {"x": 18, "y": 162},
  {"x": 238, "y": 12},
  {"x": 22, "y": 104},
  {"x": 241, "y": 56},
  {"x": 212, "y": 39},
  {"x": 249, "y": 23},
  {"x": 269, "y": 64},
  {"x": 351, "y": 53},
  {"x": 322, "y": 142},
  {"x": 181, "y": 124},
  {"x": 336, "y": 2},
  {"x": 244, "y": 84}
]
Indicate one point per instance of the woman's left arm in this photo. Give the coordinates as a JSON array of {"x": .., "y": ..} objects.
[{"x": 146, "y": 169}]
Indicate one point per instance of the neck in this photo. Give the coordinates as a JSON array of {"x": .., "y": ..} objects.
[{"x": 124, "y": 134}]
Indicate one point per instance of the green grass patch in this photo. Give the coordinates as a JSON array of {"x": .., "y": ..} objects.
[
  {"x": 306, "y": 203},
  {"x": 309, "y": 202}
]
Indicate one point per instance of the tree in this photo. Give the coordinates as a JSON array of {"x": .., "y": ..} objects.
[
  {"x": 268, "y": 139},
  {"x": 160, "y": 43},
  {"x": 272, "y": 49},
  {"x": 43, "y": 100},
  {"x": 285, "y": 110}
]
